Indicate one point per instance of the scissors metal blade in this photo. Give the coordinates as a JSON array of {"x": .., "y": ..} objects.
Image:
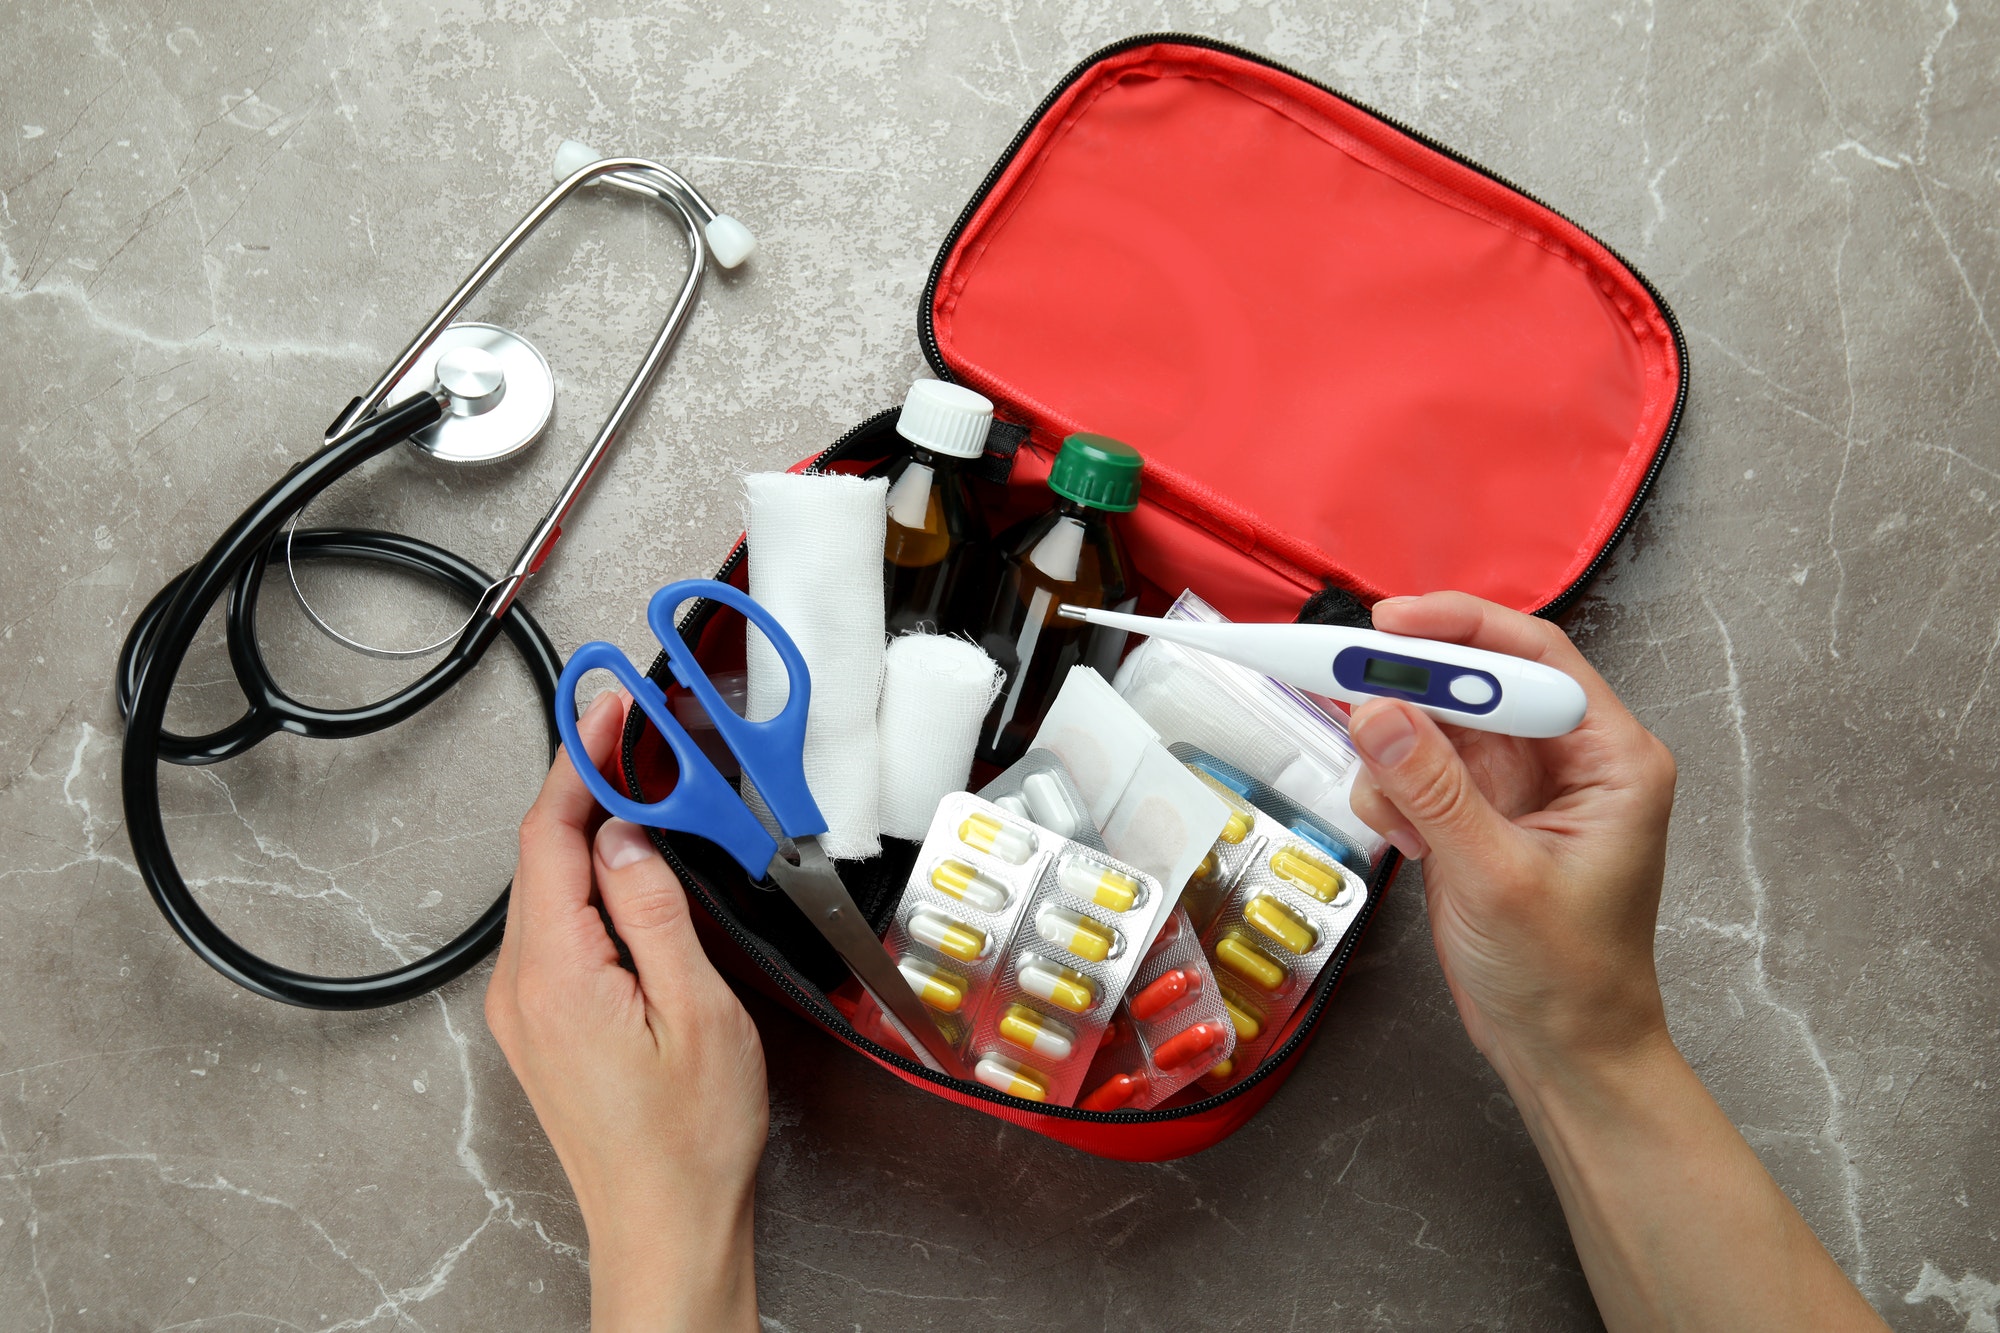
[{"x": 814, "y": 886}]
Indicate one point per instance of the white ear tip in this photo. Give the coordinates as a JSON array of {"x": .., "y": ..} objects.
[
  {"x": 572, "y": 157},
  {"x": 729, "y": 240}
]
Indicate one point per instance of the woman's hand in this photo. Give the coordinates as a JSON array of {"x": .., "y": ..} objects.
[
  {"x": 1543, "y": 862},
  {"x": 649, "y": 1082},
  {"x": 1542, "y": 859}
]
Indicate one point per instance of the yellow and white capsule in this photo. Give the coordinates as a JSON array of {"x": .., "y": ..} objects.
[
  {"x": 1075, "y": 932},
  {"x": 983, "y": 833},
  {"x": 1280, "y": 924},
  {"x": 1036, "y": 1032},
  {"x": 1293, "y": 866},
  {"x": 934, "y": 986},
  {"x": 954, "y": 939},
  {"x": 1240, "y": 955},
  {"x": 1242, "y": 1018},
  {"x": 962, "y": 882},
  {"x": 1016, "y": 1080},
  {"x": 1098, "y": 883},
  {"x": 1057, "y": 984}
]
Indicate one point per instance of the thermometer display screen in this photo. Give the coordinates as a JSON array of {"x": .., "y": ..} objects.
[{"x": 1402, "y": 676}]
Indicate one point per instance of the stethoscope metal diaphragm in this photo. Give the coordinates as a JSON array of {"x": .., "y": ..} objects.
[{"x": 500, "y": 394}]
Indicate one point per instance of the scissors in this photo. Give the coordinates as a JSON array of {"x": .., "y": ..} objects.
[{"x": 772, "y": 754}]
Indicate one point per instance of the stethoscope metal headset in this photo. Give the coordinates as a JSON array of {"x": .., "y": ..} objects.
[{"x": 463, "y": 392}]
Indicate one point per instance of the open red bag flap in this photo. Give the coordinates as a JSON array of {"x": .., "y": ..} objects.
[{"x": 1342, "y": 351}]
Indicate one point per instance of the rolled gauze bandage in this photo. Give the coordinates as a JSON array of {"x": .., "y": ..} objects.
[
  {"x": 816, "y": 564},
  {"x": 935, "y": 693}
]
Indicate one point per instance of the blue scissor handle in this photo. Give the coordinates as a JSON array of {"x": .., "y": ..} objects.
[{"x": 771, "y": 752}]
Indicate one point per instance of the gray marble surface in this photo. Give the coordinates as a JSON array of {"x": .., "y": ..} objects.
[{"x": 217, "y": 221}]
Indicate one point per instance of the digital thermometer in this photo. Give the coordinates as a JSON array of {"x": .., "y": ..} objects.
[{"x": 1467, "y": 687}]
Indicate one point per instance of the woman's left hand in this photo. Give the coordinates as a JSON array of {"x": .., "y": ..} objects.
[{"x": 649, "y": 1082}]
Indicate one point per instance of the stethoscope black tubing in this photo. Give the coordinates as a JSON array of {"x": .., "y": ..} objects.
[{"x": 158, "y": 645}]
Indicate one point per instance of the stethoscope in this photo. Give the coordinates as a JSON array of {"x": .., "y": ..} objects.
[{"x": 468, "y": 393}]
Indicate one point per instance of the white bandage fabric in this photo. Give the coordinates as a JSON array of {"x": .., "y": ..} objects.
[
  {"x": 816, "y": 564},
  {"x": 935, "y": 693}
]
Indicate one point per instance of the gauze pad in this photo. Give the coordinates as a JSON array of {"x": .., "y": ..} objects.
[
  {"x": 816, "y": 564},
  {"x": 1166, "y": 819},
  {"x": 1098, "y": 736},
  {"x": 1153, "y": 812},
  {"x": 935, "y": 693}
]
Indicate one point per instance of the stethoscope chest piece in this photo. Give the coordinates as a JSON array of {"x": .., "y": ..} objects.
[{"x": 500, "y": 394}]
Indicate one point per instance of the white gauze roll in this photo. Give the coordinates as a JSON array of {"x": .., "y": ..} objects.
[
  {"x": 816, "y": 564},
  {"x": 935, "y": 693}
]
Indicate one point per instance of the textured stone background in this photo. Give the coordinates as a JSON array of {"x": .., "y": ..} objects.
[{"x": 217, "y": 221}]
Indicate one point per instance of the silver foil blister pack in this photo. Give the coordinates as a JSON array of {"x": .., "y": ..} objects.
[
  {"x": 1022, "y": 941},
  {"x": 1172, "y": 1027},
  {"x": 1271, "y": 907}
]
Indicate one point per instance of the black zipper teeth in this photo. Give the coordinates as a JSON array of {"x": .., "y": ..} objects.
[
  {"x": 804, "y": 993},
  {"x": 808, "y": 997},
  {"x": 927, "y": 330}
]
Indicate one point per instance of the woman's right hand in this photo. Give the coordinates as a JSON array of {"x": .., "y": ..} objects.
[
  {"x": 1543, "y": 862},
  {"x": 1543, "y": 859}
]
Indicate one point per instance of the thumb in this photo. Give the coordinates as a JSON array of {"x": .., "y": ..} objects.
[
  {"x": 1418, "y": 771},
  {"x": 647, "y": 906}
]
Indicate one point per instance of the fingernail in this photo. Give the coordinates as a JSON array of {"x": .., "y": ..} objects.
[
  {"x": 601, "y": 702},
  {"x": 620, "y": 844},
  {"x": 1408, "y": 843},
  {"x": 1384, "y": 736}
]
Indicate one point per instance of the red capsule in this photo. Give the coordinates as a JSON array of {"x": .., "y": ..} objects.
[
  {"x": 1166, "y": 991},
  {"x": 1114, "y": 1092},
  {"x": 1187, "y": 1044}
]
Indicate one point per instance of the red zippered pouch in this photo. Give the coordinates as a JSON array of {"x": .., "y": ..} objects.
[{"x": 1350, "y": 357}]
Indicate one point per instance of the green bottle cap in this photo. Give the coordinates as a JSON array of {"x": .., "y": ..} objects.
[{"x": 1098, "y": 471}]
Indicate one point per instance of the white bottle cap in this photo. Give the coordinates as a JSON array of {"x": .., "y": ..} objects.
[{"x": 945, "y": 419}]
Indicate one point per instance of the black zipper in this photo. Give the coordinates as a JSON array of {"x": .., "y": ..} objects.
[
  {"x": 808, "y": 996},
  {"x": 927, "y": 331}
]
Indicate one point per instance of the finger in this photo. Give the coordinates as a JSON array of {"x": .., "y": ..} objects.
[
  {"x": 1419, "y": 772},
  {"x": 563, "y": 798},
  {"x": 649, "y": 908},
  {"x": 550, "y": 912},
  {"x": 1378, "y": 812},
  {"x": 1457, "y": 617}
]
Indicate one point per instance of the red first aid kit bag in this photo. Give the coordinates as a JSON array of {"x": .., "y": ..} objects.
[{"x": 1350, "y": 358}]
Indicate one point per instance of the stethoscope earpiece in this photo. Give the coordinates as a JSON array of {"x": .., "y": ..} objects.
[{"x": 729, "y": 241}]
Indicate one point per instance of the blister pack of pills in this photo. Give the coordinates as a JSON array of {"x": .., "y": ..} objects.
[
  {"x": 1023, "y": 941},
  {"x": 1171, "y": 1029},
  {"x": 1271, "y": 908}
]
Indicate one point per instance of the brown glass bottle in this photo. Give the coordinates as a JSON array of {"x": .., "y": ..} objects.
[
  {"x": 1072, "y": 554},
  {"x": 930, "y": 569},
  {"x": 937, "y": 546}
]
